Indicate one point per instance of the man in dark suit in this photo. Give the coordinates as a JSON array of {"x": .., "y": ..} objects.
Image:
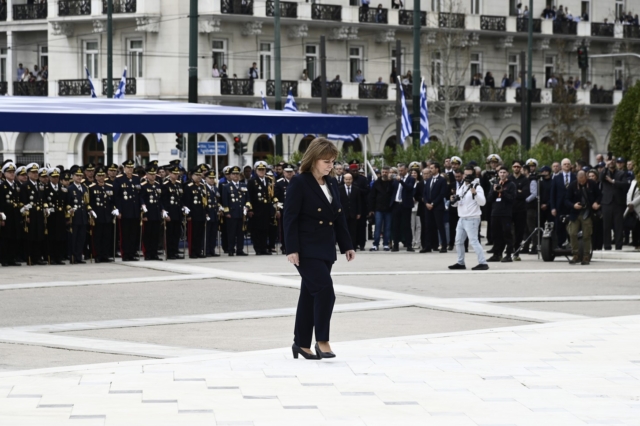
[
  {"x": 436, "y": 191},
  {"x": 417, "y": 196},
  {"x": 234, "y": 200},
  {"x": 350, "y": 198},
  {"x": 402, "y": 203},
  {"x": 614, "y": 190},
  {"x": 558, "y": 192}
]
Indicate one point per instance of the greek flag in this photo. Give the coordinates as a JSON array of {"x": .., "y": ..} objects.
[
  {"x": 424, "y": 115},
  {"x": 290, "y": 105},
  {"x": 119, "y": 95},
  {"x": 405, "y": 127},
  {"x": 93, "y": 95},
  {"x": 344, "y": 138},
  {"x": 266, "y": 107}
]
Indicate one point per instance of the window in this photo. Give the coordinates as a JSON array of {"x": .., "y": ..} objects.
[
  {"x": 91, "y": 55},
  {"x": 437, "y": 5},
  {"x": 436, "y": 68},
  {"x": 219, "y": 52},
  {"x": 311, "y": 60},
  {"x": 475, "y": 7},
  {"x": 266, "y": 60},
  {"x": 618, "y": 71},
  {"x": 44, "y": 56},
  {"x": 549, "y": 67},
  {"x": 141, "y": 154},
  {"x": 475, "y": 64},
  {"x": 586, "y": 10},
  {"x": 393, "y": 61},
  {"x": 619, "y": 8},
  {"x": 92, "y": 150},
  {"x": 135, "y": 55},
  {"x": 355, "y": 62},
  {"x": 512, "y": 70},
  {"x": 3, "y": 64}
]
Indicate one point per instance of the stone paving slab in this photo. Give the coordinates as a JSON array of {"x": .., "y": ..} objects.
[{"x": 577, "y": 372}]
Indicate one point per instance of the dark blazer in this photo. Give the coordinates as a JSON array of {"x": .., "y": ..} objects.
[
  {"x": 352, "y": 205},
  {"x": 407, "y": 191},
  {"x": 574, "y": 195},
  {"x": 616, "y": 192},
  {"x": 437, "y": 194},
  {"x": 312, "y": 225},
  {"x": 558, "y": 191}
]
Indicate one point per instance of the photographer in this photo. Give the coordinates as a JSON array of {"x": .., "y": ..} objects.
[
  {"x": 532, "y": 206},
  {"x": 581, "y": 198},
  {"x": 614, "y": 197},
  {"x": 502, "y": 197},
  {"x": 468, "y": 199},
  {"x": 520, "y": 205}
]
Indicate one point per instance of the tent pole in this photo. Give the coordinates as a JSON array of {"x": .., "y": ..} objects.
[
  {"x": 365, "y": 155},
  {"x": 216, "y": 145}
]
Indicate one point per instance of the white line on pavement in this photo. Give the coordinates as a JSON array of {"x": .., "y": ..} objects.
[{"x": 458, "y": 272}]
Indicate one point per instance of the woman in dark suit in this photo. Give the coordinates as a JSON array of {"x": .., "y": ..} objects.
[{"x": 313, "y": 222}]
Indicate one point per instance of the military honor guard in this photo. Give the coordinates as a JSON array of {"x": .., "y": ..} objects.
[
  {"x": 172, "y": 204},
  {"x": 56, "y": 232},
  {"x": 281, "y": 196},
  {"x": 235, "y": 200},
  {"x": 213, "y": 212},
  {"x": 195, "y": 203},
  {"x": 102, "y": 217},
  {"x": 261, "y": 204},
  {"x": 9, "y": 215},
  {"x": 126, "y": 189},
  {"x": 77, "y": 212},
  {"x": 152, "y": 213},
  {"x": 33, "y": 215}
]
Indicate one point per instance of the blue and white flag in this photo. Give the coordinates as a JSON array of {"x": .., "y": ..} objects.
[
  {"x": 424, "y": 115},
  {"x": 265, "y": 106},
  {"x": 290, "y": 105},
  {"x": 405, "y": 124},
  {"x": 344, "y": 138},
  {"x": 120, "y": 95},
  {"x": 93, "y": 95}
]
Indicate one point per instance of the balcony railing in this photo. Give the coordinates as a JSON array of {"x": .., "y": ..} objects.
[
  {"x": 286, "y": 84},
  {"x": 237, "y": 7},
  {"x": 121, "y": 6},
  {"x": 373, "y": 91},
  {"x": 326, "y": 12},
  {"x": 129, "y": 89},
  {"x": 408, "y": 90},
  {"x": 74, "y": 7},
  {"x": 334, "y": 90},
  {"x": 74, "y": 88},
  {"x": 236, "y": 86},
  {"x": 451, "y": 20},
  {"x": 287, "y": 9},
  {"x": 36, "y": 88},
  {"x": 562, "y": 95},
  {"x": 600, "y": 29},
  {"x": 537, "y": 95},
  {"x": 631, "y": 31},
  {"x": 601, "y": 97},
  {"x": 406, "y": 17},
  {"x": 493, "y": 23},
  {"x": 4, "y": 87},
  {"x": 565, "y": 27},
  {"x": 489, "y": 94},
  {"x": 22, "y": 12},
  {"x": 374, "y": 15},
  {"x": 451, "y": 93},
  {"x": 3, "y": 11},
  {"x": 522, "y": 25}
]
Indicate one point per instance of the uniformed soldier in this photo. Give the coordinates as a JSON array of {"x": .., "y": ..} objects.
[
  {"x": 32, "y": 207},
  {"x": 56, "y": 197},
  {"x": 112, "y": 172},
  {"x": 273, "y": 210},
  {"x": 77, "y": 211},
  {"x": 65, "y": 180},
  {"x": 261, "y": 201},
  {"x": 224, "y": 180},
  {"x": 235, "y": 200},
  {"x": 213, "y": 211},
  {"x": 195, "y": 201},
  {"x": 89, "y": 174},
  {"x": 126, "y": 191},
  {"x": 9, "y": 215},
  {"x": 281, "y": 196},
  {"x": 153, "y": 213},
  {"x": 102, "y": 211},
  {"x": 172, "y": 203}
]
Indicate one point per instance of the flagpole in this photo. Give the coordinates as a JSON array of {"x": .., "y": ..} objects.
[
  {"x": 109, "y": 73},
  {"x": 216, "y": 145},
  {"x": 365, "y": 155},
  {"x": 135, "y": 157}
]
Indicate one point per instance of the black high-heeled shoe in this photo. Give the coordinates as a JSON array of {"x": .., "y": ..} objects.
[
  {"x": 324, "y": 354},
  {"x": 297, "y": 350}
]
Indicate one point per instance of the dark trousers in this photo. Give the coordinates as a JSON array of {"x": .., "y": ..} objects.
[
  {"x": 196, "y": 229},
  {"x": 130, "y": 236},
  {"x": 453, "y": 224},
  {"x": 78, "y": 237},
  {"x": 487, "y": 209},
  {"x": 502, "y": 230},
  {"x": 352, "y": 226},
  {"x": 532, "y": 223},
  {"x": 7, "y": 250},
  {"x": 224, "y": 235},
  {"x": 598, "y": 235},
  {"x": 316, "y": 301},
  {"x": 174, "y": 229},
  {"x": 273, "y": 234},
  {"x": 150, "y": 237},
  {"x": 103, "y": 240},
  {"x": 635, "y": 232},
  {"x": 361, "y": 232},
  {"x": 259, "y": 237},
  {"x": 519, "y": 226},
  {"x": 612, "y": 218},
  {"x": 435, "y": 227},
  {"x": 212, "y": 237},
  {"x": 561, "y": 229},
  {"x": 423, "y": 227},
  {"x": 235, "y": 235},
  {"x": 401, "y": 225}
]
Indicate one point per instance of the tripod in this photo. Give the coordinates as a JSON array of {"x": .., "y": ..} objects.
[{"x": 538, "y": 229}]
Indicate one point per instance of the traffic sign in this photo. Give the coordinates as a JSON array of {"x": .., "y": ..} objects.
[{"x": 209, "y": 148}]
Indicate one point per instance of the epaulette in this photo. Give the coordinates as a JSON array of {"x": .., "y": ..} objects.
[
  {"x": 119, "y": 175},
  {"x": 144, "y": 183},
  {"x": 191, "y": 184},
  {"x": 280, "y": 180},
  {"x": 108, "y": 184},
  {"x": 92, "y": 185}
]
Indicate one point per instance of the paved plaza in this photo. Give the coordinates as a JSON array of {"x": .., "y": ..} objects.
[{"x": 207, "y": 342}]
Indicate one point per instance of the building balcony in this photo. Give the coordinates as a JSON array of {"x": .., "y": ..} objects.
[
  {"x": 601, "y": 97},
  {"x": 121, "y": 6},
  {"x": 24, "y": 12},
  {"x": 286, "y": 85},
  {"x": 405, "y": 17},
  {"x": 130, "y": 88},
  {"x": 561, "y": 95},
  {"x": 4, "y": 88},
  {"x": 522, "y": 25},
  {"x": 74, "y": 7},
  {"x": 37, "y": 88},
  {"x": 74, "y": 88},
  {"x": 566, "y": 27},
  {"x": 334, "y": 90},
  {"x": 373, "y": 91},
  {"x": 288, "y": 9},
  {"x": 631, "y": 31},
  {"x": 536, "y": 98},
  {"x": 326, "y": 12},
  {"x": 451, "y": 93},
  {"x": 237, "y": 7},
  {"x": 490, "y": 94},
  {"x": 493, "y": 23},
  {"x": 451, "y": 20},
  {"x": 599, "y": 29},
  {"x": 373, "y": 15},
  {"x": 236, "y": 86}
]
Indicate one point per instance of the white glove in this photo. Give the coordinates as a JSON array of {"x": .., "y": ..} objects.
[
  {"x": 220, "y": 209},
  {"x": 186, "y": 210},
  {"x": 51, "y": 210},
  {"x": 208, "y": 218},
  {"x": 46, "y": 212},
  {"x": 116, "y": 212},
  {"x": 92, "y": 213},
  {"x": 165, "y": 214},
  {"x": 245, "y": 211},
  {"x": 24, "y": 209},
  {"x": 2, "y": 216},
  {"x": 144, "y": 208}
]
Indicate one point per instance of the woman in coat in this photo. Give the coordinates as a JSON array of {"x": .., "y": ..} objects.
[{"x": 313, "y": 223}]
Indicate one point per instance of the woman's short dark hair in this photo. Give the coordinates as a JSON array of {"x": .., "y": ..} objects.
[{"x": 436, "y": 165}]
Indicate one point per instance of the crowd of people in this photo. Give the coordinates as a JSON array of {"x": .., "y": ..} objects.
[
  {"x": 98, "y": 213},
  {"x": 36, "y": 74}
]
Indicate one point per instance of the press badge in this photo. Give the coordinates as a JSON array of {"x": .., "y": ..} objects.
[{"x": 498, "y": 200}]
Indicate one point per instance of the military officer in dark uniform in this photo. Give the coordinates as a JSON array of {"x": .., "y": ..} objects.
[
  {"x": 9, "y": 215},
  {"x": 224, "y": 180},
  {"x": 126, "y": 191},
  {"x": 102, "y": 212},
  {"x": 234, "y": 200},
  {"x": 153, "y": 213},
  {"x": 274, "y": 213},
  {"x": 112, "y": 172},
  {"x": 89, "y": 174},
  {"x": 77, "y": 210},
  {"x": 213, "y": 210},
  {"x": 56, "y": 197},
  {"x": 195, "y": 202},
  {"x": 172, "y": 204},
  {"x": 32, "y": 210},
  {"x": 260, "y": 208},
  {"x": 280, "y": 197}
]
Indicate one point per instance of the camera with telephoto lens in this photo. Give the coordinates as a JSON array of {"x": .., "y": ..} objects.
[
  {"x": 469, "y": 178},
  {"x": 498, "y": 187},
  {"x": 455, "y": 198}
]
